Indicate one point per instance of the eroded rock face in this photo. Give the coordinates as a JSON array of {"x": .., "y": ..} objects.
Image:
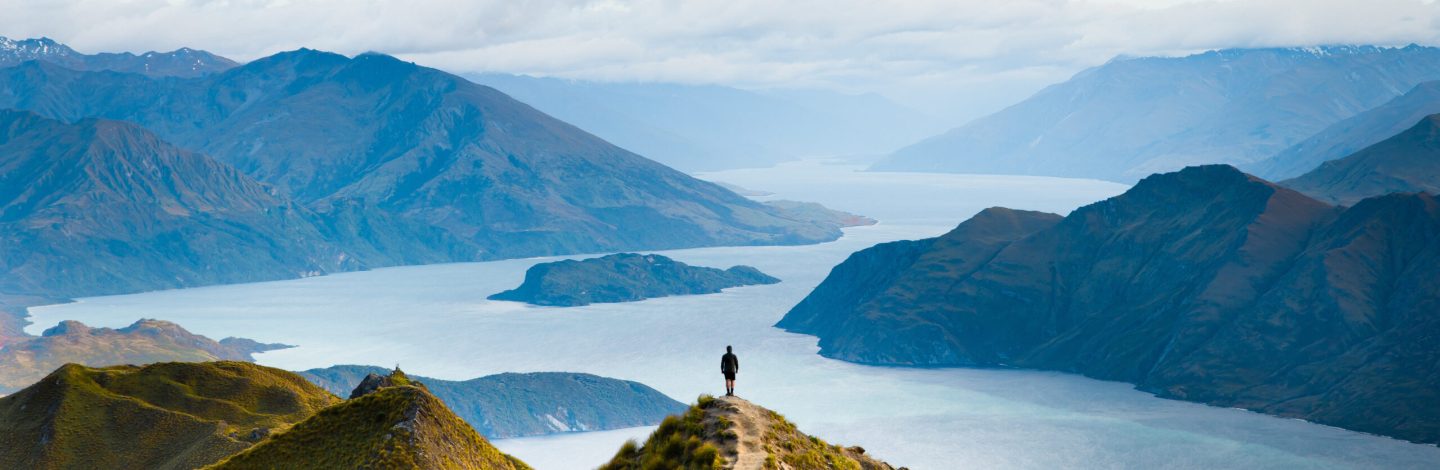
[
  {"x": 1206, "y": 285},
  {"x": 624, "y": 277},
  {"x": 374, "y": 382}
]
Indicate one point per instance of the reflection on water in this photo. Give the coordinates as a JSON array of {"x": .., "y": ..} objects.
[{"x": 435, "y": 321}]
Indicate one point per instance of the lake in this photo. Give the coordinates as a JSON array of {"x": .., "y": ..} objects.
[{"x": 434, "y": 321}]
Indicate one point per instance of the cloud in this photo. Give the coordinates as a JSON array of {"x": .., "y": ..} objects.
[{"x": 957, "y": 53}]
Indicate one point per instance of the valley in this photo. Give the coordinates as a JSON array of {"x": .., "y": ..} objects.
[{"x": 434, "y": 321}]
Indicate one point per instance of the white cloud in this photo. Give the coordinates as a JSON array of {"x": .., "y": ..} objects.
[{"x": 967, "y": 53}]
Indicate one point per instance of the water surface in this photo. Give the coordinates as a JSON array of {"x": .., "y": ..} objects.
[{"x": 435, "y": 321}]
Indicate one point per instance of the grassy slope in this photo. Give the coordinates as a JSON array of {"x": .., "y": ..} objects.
[
  {"x": 169, "y": 415},
  {"x": 399, "y": 426}
]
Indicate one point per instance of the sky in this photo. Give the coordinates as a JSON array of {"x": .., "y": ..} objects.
[{"x": 953, "y": 58}]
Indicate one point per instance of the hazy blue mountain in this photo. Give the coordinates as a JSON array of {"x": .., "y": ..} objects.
[
  {"x": 1406, "y": 163},
  {"x": 1349, "y": 136},
  {"x": 1207, "y": 285},
  {"x": 427, "y": 148},
  {"x": 513, "y": 405},
  {"x": 183, "y": 62},
  {"x": 1135, "y": 116},
  {"x": 707, "y": 127},
  {"x": 101, "y": 206},
  {"x": 104, "y": 206},
  {"x": 624, "y": 277}
]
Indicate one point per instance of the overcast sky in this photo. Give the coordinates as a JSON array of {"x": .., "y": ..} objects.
[{"x": 956, "y": 58}]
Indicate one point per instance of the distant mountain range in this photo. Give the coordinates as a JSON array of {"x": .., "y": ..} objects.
[
  {"x": 1406, "y": 163},
  {"x": 183, "y": 62},
  {"x": 1135, "y": 116},
  {"x": 709, "y": 127},
  {"x": 513, "y": 405},
  {"x": 315, "y": 162},
  {"x": 1207, "y": 285},
  {"x": 23, "y": 361},
  {"x": 1351, "y": 135}
]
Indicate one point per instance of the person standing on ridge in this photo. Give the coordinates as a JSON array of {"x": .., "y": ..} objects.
[{"x": 729, "y": 365}]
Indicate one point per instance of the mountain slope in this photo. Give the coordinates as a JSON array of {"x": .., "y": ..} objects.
[
  {"x": 1354, "y": 134},
  {"x": 1134, "y": 116},
  {"x": 183, "y": 62},
  {"x": 162, "y": 416},
  {"x": 514, "y": 405},
  {"x": 102, "y": 206},
  {"x": 624, "y": 277},
  {"x": 1206, "y": 284},
  {"x": 1407, "y": 162},
  {"x": 731, "y": 433},
  {"x": 423, "y": 146},
  {"x": 27, "y": 360},
  {"x": 399, "y": 426},
  {"x": 883, "y": 290},
  {"x": 707, "y": 127}
]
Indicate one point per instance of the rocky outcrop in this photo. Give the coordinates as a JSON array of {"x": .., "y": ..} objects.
[
  {"x": 26, "y": 360},
  {"x": 374, "y": 382},
  {"x": 624, "y": 277},
  {"x": 515, "y": 405},
  {"x": 1406, "y": 163},
  {"x": 1205, "y": 284},
  {"x": 733, "y": 434}
]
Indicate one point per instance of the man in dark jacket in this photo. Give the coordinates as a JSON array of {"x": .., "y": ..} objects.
[{"x": 729, "y": 365}]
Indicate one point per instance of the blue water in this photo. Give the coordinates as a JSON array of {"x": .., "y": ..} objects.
[{"x": 435, "y": 321}]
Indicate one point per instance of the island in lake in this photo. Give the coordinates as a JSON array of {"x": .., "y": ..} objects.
[{"x": 624, "y": 277}]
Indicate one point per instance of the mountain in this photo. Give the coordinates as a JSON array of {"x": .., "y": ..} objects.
[
  {"x": 396, "y": 426},
  {"x": 1351, "y": 135},
  {"x": 1206, "y": 284},
  {"x": 1407, "y": 162},
  {"x": 183, "y": 62},
  {"x": 514, "y": 405},
  {"x": 815, "y": 211},
  {"x": 421, "y": 146},
  {"x": 162, "y": 416},
  {"x": 26, "y": 360},
  {"x": 624, "y": 277},
  {"x": 710, "y": 127},
  {"x": 731, "y": 433},
  {"x": 99, "y": 207},
  {"x": 1135, "y": 116}
]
